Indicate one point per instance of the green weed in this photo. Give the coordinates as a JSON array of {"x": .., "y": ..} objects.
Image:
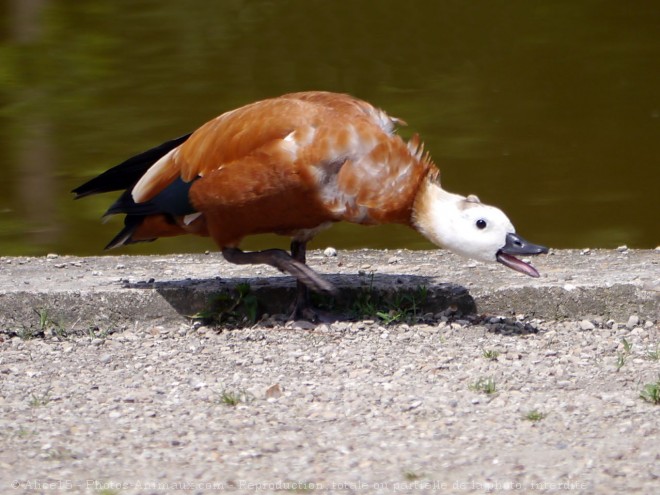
[
  {"x": 26, "y": 333},
  {"x": 490, "y": 354},
  {"x": 484, "y": 385},
  {"x": 94, "y": 333},
  {"x": 233, "y": 398},
  {"x": 622, "y": 356},
  {"x": 40, "y": 400},
  {"x": 651, "y": 392},
  {"x": 235, "y": 306},
  {"x": 45, "y": 322},
  {"x": 620, "y": 360},
  {"x": 395, "y": 307},
  {"x": 654, "y": 355},
  {"x": 535, "y": 415},
  {"x": 627, "y": 346}
]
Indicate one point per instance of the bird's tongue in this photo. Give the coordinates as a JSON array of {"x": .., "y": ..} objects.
[{"x": 516, "y": 264}]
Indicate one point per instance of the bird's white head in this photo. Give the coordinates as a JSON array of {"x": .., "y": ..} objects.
[{"x": 470, "y": 228}]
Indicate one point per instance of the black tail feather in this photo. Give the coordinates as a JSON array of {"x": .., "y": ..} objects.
[
  {"x": 127, "y": 173},
  {"x": 131, "y": 223},
  {"x": 172, "y": 200},
  {"x": 125, "y": 204}
]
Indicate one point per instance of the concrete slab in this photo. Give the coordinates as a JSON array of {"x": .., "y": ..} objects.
[{"x": 121, "y": 291}]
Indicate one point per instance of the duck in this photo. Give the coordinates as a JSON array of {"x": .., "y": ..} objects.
[{"x": 294, "y": 165}]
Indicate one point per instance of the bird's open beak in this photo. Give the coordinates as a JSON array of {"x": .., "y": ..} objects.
[{"x": 517, "y": 245}]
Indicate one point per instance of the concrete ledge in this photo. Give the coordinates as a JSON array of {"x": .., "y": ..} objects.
[{"x": 122, "y": 291}]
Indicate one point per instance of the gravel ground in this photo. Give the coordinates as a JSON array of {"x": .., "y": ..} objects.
[{"x": 347, "y": 407}]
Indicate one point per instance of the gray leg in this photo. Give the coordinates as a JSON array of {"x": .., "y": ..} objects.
[
  {"x": 281, "y": 260},
  {"x": 301, "y": 306}
]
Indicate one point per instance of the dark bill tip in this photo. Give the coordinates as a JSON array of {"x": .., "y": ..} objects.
[{"x": 517, "y": 245}]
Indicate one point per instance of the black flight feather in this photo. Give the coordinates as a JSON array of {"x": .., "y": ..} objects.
[{"x": 126, "y": 174}]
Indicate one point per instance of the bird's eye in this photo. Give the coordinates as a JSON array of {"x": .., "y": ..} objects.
[{"x": 481, "y": 224}]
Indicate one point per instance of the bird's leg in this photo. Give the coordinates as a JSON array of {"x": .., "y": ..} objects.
[
  {"x": 301, "y": 306},
  {"x": 281, "y": 260}
]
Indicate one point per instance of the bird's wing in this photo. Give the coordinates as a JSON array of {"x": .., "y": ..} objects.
[{"x": 240, "y": 133}]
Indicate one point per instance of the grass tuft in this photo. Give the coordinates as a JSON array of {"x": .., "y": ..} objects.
[
  {"x": 620, "y": 361},
  {"x": 654, "y": 355},
  {"x": 45, "y": 322},
  {"x": 534, "y": 415},
  {"x": 484, "y": 385},
  {"x": 627, "y": 346},
  {"x": 40, "y": 400},
  {"x": 396, "y": 307},
  {"x": 651, "y": 392},
  {"x": 623, "y": 356},
  {"x": 234, "y": 398},
  {"x": 239, "y": 305},
  {"x": 490, "y": 354}
]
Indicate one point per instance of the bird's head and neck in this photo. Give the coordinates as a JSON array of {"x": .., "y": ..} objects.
[{"x": 470, "y": 228}]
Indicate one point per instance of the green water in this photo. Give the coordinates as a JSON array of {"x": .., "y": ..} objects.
[{"x": 548, "y": 109}]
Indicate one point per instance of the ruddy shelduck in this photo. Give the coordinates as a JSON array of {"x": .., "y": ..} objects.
[{"x": 294, "y": 165}]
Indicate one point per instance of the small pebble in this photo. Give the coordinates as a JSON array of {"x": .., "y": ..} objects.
[
  {"x": 303, "y": 325},
  {"x": 586, "y": 325},
  {"x": 274, "y": 391},
  {"x": 329, "y": 252},
  {"x": 633, "y": 321}
]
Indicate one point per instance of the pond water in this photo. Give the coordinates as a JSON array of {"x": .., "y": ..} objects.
[{"x": 550, "y": 110}]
